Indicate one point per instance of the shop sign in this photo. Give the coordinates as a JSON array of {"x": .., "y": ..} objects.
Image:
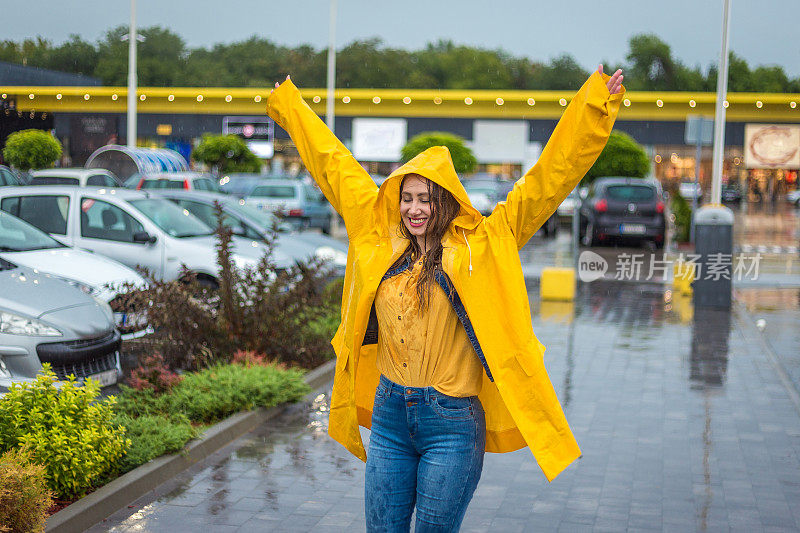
[{"x": 772, "y": 146}]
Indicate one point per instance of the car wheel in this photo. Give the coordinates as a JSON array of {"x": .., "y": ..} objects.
[{"x": 658, "y": 243}]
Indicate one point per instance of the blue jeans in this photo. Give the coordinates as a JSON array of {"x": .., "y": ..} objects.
[{"x": 426, "y": 448}]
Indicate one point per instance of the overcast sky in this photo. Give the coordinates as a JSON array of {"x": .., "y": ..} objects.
[{"x": 764, "y": 32}]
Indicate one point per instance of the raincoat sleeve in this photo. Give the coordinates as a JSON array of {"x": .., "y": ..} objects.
[
  {"x": 578, "y": 139},
  {"x": 344, "y": 182}
]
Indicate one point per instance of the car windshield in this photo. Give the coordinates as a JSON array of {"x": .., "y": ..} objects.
[
  {"x": 480, "y": 190},
  {"x": 265, "y": 219},
  {"x": 274, "y": 191},
  {"x": 19, "y": 236},
  {"x": 630, "y": 193},
  {"x": 172, "y": 219},
  {"x": 162, "y": 184},
  {"x": 54, "y": 180}
]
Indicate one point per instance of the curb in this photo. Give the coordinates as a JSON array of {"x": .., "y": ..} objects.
[{"x": 129, "y": 487}]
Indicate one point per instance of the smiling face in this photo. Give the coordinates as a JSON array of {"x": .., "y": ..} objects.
[{"x": 415, "y": 207}]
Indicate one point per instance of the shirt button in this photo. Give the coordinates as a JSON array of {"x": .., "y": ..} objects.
[
  {"x": 402, "y": 341},
  {"x": 404, "y": 364},
  {"x": 399, "y": 317}
]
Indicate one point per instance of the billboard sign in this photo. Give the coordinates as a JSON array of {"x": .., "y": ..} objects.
[
  {"x": 772, "y": 146},
  {"x": 378, "y": 139}
]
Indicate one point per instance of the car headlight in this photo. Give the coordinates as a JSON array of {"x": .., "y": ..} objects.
[
  {"x": 327, "y": 253},
  {"x": 19, "y": 325}
]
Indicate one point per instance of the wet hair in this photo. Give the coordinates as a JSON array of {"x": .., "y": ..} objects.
[{"x": 444, "y": 209}]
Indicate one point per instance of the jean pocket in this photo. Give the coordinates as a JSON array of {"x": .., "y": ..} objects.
[
  {"x": 381, "y": 393},
  {"x": 452, "y": 407}
]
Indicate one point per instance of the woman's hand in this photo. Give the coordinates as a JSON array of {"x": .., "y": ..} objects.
[
  {"x": 278, "y": 84},
  {"x": 614, "y": 83}
]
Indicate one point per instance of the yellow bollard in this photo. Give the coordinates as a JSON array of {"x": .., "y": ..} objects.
[
  {"x": 682, "y": 277},
  {"x": 557, "y": 284}
]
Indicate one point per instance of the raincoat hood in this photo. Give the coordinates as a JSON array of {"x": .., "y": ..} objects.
[{"x": 436, "y": 165}]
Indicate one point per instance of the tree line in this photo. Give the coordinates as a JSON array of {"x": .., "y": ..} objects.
[{"x": 165, "y": 60}]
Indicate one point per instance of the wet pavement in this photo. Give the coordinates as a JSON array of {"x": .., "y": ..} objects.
[{"x": 683, "y": 423}]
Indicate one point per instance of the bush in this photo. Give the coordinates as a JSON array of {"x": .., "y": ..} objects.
[
  {"x": 65, "y": 429},
  {"x": 153, "y": 374},
  {"x": 212, "y": 394},
  {"x": 153, "y": 436},
  {"x": 226, "y": 153},
  {"x": 622, "y": 156},
  {"x": 24, "y": 496},
  {"x": 463, "y": 159},
  {"x": 285, "y": 314},
  {"x": 683, "y": 216},
  {"x": 31, "y": 149}
]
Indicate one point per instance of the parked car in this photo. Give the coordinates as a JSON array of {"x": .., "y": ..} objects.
[
  {"x": 45, "y": 320},
  {"x": 689, "y": 190},
  {"x": 485, "y": 191},
  {"x": 570, "y": 204},
  {"x": 794, "y": 197},
  {"x": 8, "y": 177},
  {"x": 731, "y": 193},
  {"x": 299, "y": 203},
  {"x": 190, "y": 181},
  {"x": 622, "y": 209},
  {"x": 82, "y": 177},
  {"x": 132, "y": 227},
  {"x": 253, "y": 223}
]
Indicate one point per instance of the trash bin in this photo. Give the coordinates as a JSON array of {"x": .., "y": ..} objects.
[{"x": 714, "y": 245}]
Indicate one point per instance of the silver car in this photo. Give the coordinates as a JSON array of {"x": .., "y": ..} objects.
[
  {"x": 253, "y": 223},
  {"x": 45, "y": 320},
  {"x": 132, "y": 227}
]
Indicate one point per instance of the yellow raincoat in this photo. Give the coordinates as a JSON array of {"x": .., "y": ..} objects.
[{"x": 480, "y": 257}]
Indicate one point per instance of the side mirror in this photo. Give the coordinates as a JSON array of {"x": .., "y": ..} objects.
[{"x": 142, "y": 237}]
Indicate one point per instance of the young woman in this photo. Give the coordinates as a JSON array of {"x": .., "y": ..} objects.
[{"x": 435, "y": 351}]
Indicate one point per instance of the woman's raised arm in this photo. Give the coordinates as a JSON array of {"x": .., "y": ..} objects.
[
  {"x": 579, "y": 137},
  {"x": 344, "y": 182}
]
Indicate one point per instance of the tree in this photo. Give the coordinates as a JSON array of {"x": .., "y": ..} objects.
[
  {"x": 463, "y": 158},
  {"x": 651, "y": 65},
  {"x": 622, "y": 156},
  {"x": 160, "y": 58},
  {"x": 226, "y": 153},
  {"x": 563, "y": 73},
  {"x": 31, "y": 149}
]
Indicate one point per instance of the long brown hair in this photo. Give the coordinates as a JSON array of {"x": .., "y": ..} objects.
[{"x": 444, "y": 209}]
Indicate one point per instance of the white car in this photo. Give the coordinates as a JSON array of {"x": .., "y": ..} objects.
[
  {"x": 82, "y": 177},
  {"x": 688, "y": 190},
  {"x": 132, "y": 227},
  {"x": 100, "y": 277},
  {"x": 794, "y": 197}
]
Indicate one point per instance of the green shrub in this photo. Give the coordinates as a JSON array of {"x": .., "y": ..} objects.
[
  {"x": 226, "y": 153},
  {"x": 622, "y": 156},
  {"x": 464, "y": 160},
  {"x": 31, "y": 149},
  {"x": 66, "y": 430},
  {"x": 214, "y": 393},
  {"x": 683, "y": 216},
  {"x": 152, "y": 436},
  {"x": 24, "y": 496}
]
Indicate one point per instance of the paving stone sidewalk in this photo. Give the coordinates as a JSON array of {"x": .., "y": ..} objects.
[{"x": 683, "y": 424}]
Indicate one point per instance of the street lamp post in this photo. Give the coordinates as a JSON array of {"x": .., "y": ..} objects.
[
  {"x": 132, "y": 80},
  {"x": 330, "y": 116},
  {"x": 714, "y": 222}
]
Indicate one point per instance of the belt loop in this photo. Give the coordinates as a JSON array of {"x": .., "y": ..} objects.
[{"x": 428, "y": 394}]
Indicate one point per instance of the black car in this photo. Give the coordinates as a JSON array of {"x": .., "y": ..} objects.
[
  {"x": 731, "y": 194},
  {"x": 623, "y": 209}
]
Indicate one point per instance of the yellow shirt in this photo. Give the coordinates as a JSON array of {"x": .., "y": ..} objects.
[{"x": 424, "y": 350}]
